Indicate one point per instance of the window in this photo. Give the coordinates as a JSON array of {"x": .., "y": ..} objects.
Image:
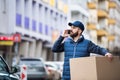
[
  {"x": 3, "y": 6},
  {"x": 18, "y": 13}
]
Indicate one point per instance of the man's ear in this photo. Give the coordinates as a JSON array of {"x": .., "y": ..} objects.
[{"x": 80, "y": 32}]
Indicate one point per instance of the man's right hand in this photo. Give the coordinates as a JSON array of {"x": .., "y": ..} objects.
[{"x": 65, "y": 33}]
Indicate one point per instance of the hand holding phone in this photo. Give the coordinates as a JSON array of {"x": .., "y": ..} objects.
[
  {"x": 66, "y": 33},
  {"x": 69, "y": 31}
]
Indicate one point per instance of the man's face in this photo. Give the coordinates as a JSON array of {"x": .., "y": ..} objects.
[{"x": 75, "y": 31}]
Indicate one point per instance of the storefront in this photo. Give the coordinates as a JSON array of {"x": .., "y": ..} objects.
[{"x": 7, "y": 49}]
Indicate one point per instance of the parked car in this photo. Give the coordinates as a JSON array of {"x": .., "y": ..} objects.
[
  {"x": 5, "y": 72},
  {"x": 36, "y": 69},
  {"x": 54, "y": 73}
]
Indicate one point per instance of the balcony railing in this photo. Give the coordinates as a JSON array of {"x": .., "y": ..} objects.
[
  {"x": 112, "y": 4},
  {"x": 111, "y": 21},
  {"x": 111, "y": 37},
  {"x": 91, "y": 26},
  {"x": 91, "y": 5},
  {"x": 102, "y": 32},
  {"x": 102, "y": 14}
]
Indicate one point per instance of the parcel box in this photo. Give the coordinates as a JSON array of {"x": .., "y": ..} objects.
[{"x": 95, "y": 68}]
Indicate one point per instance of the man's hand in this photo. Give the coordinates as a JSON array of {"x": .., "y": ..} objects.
[
  {"x": 65, "y": 33},
  {"x": 109, "y": 56}
]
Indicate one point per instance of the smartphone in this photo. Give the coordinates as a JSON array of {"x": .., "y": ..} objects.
[{"x": 69, "y": 31}]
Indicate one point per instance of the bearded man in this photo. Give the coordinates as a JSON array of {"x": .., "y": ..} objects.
[{"x": 74, "y": 45}]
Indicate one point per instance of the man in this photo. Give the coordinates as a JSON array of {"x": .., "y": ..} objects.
[{"x": 73, "y": 43}]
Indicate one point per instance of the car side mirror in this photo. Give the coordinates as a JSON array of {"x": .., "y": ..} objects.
[{"x": 14, "y": 69}]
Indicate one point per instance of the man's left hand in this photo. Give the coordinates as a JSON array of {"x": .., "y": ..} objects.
[{"x": 109, "y": 56}]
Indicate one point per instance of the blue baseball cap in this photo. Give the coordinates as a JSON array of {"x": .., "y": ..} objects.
[{"x": 77, "y": 24}]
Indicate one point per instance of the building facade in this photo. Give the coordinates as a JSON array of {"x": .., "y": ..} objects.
[
  {"x": 101, "y": 20},
  {"x": 36, "y": 21},
  {"x": 106, "y": 22},
  {"x": 78, "y": 11}
]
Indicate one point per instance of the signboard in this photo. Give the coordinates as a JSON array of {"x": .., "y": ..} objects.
[
  {"x": 6, "y": 40},
  {"x": 17, "y": 38},
  {"x": 7, "y": 43}
]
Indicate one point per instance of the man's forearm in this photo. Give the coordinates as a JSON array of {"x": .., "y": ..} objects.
[{"x": 58, "y": 46}]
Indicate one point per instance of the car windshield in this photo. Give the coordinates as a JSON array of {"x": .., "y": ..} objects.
[
  {"x": 3, "y": 67},
  {"x": 31, "y": 63}
]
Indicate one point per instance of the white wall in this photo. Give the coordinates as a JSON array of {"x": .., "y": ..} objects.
[{"x": 3, "y": 16}]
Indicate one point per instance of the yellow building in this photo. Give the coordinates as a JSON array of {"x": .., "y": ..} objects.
[{"x": 103, "y": 22}]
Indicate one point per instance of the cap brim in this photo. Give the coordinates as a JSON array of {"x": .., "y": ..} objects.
[{"x": 70, "y": 24}]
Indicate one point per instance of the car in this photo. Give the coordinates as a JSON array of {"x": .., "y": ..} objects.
[
  {"x": 36, "y": 69},
  {"x": 5, "y": 72}
]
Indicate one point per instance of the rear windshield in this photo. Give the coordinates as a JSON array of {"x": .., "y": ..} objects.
[{"x": 31, "y": 62}]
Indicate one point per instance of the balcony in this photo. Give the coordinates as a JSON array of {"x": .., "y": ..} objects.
[
  {"x": 102, "y": 32},
  {"x": 111, "y": 38},
  {"x": 111, "y": 21},
  {"x": 104, "y": 5},
  {"x": 91, "y": 26},
  {"x": 52, "y": 2},
  {"x": 91, "y": 5},
  {"x": 112, "y": 4},
  {"x": 102, "y": 14},
  {"x": 65, "y": 8}
]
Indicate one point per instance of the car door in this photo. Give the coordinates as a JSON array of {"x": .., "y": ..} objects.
[{"x": 5, "y": 73}]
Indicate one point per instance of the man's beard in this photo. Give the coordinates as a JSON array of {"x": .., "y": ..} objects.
[{"x": 74, "y": 35}]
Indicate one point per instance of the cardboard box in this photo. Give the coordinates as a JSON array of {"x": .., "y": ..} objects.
[{"x": 95, "y": 68}]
